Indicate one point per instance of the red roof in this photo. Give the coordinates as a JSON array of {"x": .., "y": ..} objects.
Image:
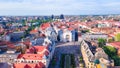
[
  {"x": 111, "y": 35},
  {"x": 36, "y": 66},
  {"x": 28, "y": 65},
  {"x": 45, "y": 25},
  {"x": 40, "y": 48},
  {"x": 70, "y": 28},
  {"x": 115, "y": 44},
  {"x": 37, "y": 48},
  {"x": 30, "y": 53},
  {"x": 31, "y": 56},
  {"x": 33, "y": 31}
]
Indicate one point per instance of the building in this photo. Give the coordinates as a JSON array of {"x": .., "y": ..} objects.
[
  {"x": 36, "y": 54},
  {"x": 94, "y": 36},
  {"x": 49, "y": 31},
  {"x": 103, "y": 25},
  {"x": 28, "y": 65},
  {"x": 9, "y": 56},
  {"x": 94, "y": 56},
  {"x": 67, "y": 35},
  {"x": 116, "y": 45},
  {"x": 41, "y": 54},
  {"x": 16, "y": 36}
]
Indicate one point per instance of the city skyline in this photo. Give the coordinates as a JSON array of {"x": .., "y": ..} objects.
[{"x": 57, "y": 7}]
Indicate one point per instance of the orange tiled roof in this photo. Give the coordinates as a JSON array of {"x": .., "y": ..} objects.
[
  {"x": 28, "y": 65},
  {"x": 45, "y": 25},
  {"x": 115, "y": 44},
  {"x": 33, "y": 49},
  {"x": 40, "y": 48},
  {"x": 111, "y": 35},
  {"x": 31, "y": 56},
  {"x": 33, "y": 31},
  {"x": 70, "y": 28}
]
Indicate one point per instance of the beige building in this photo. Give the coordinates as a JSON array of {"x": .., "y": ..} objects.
[{"x": 94, "y": 56}]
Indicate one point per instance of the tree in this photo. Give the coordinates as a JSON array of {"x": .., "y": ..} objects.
[
  {"x": 24, "y": 22},
  {"x": 110, "y": 40},
  {"x": 117, "y": 37},
  {"x": 81, "y": 59},
  {"x": 27, "y": 33},
  {"x": 111, "y": 51},
  {"x": 101, "y": 42},
  {"x": 116, "y": 60}
]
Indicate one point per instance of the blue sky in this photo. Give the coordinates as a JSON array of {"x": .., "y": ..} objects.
[{"x": 57, "y": 7}]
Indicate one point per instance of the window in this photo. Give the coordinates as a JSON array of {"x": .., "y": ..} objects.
[
  {"x": 21, "y": 61},
  {"x": 67, "y": 38},
  {"x": 28, "y": 61},
  {"x": 87, "y": 52},
  {"x": 32, "y": 61},
  {"x": 84, "y": 46}
]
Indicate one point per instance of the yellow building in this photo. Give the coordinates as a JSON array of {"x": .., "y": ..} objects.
[{"x": 91, "y": 54}]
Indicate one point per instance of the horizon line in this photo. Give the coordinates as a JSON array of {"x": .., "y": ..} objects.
[{"x": 60, "y": 14}]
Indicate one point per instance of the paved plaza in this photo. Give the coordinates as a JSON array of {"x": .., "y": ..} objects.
[{"x": 67, "y": 48}]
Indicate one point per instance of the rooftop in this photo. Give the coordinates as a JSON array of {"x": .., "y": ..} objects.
[
  {"x": 29, "y": 65},
  {"x": 115, "y": 44},
  {"x": 30, "y": 56},
  {"x": 45, "y": 25}
]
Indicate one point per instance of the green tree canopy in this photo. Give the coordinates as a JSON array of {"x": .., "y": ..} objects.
[
  {"x": 101, "y": 42},
  {"x": 117, "y": 37},
  {"x": 110, "y": 40},
  {"x": 110, "y": 50}
]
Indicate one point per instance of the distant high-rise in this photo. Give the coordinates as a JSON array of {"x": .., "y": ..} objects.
[
  {"x": 52, "y": 17},
  {"x": 61, "y": 16}
]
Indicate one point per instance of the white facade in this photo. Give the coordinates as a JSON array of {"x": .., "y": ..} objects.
[
  {"x": 46, "y": 41},
  {"x": 89, "y": 57},
  {"x": 67, "y": 36},
  {"x": 94, "y": 36},
  {"x": 51, "y": 33}
]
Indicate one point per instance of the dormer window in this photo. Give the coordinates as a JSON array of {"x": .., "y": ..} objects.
[
  {"x": 46, "y": 42},
  {"x": 44, "y": 57},
  {"x": 32, "y": 61}
]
